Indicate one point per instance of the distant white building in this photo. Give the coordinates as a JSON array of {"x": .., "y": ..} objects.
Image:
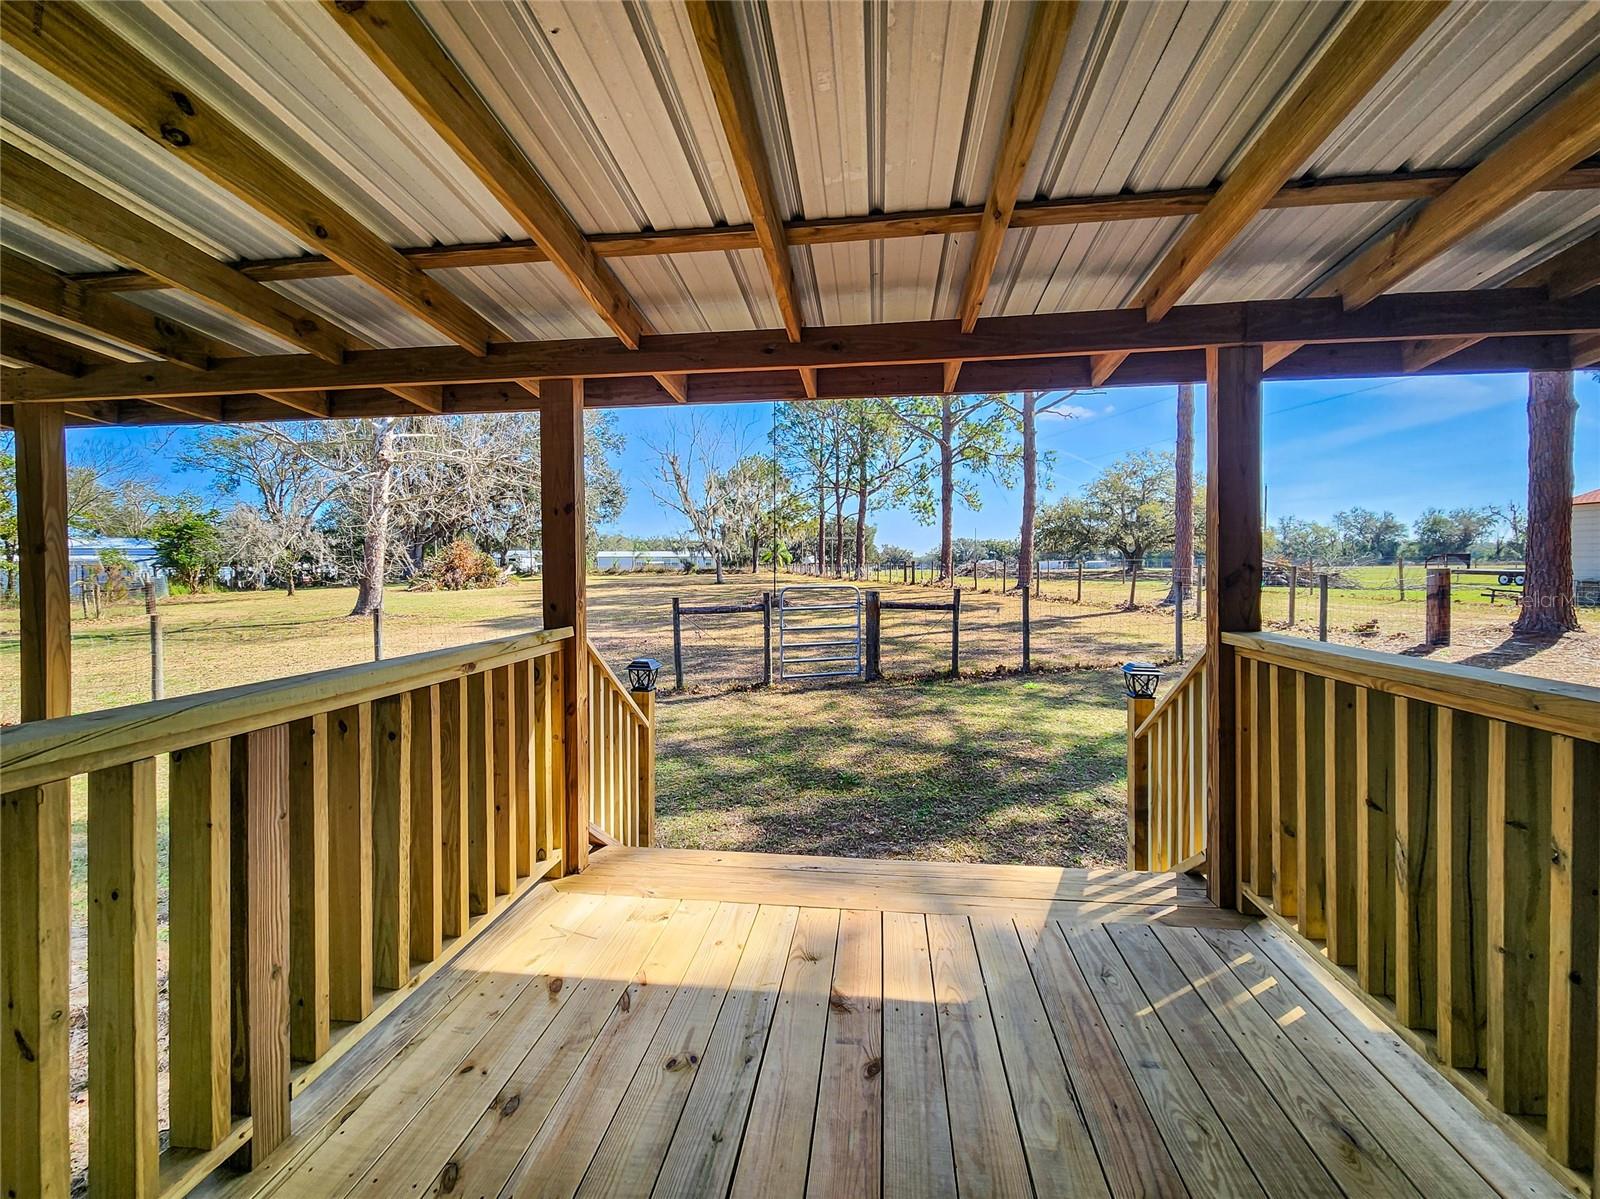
[
  {"x": 1586, "y": 546},
  {"x": 652, "y": 560},
  {"x": 84, "y": 549}
]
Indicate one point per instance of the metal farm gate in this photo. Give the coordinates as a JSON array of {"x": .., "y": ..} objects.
[{"x": 819, "y": 631}]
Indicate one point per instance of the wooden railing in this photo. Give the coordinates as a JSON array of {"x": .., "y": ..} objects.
[
  {"x": 1167, "y": 775},
  {"x": 335, "y": 838},
  {"x": 622, "y": 758},
  {"x": 1435, "y": 830}
]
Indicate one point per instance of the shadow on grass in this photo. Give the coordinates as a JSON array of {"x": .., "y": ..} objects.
[{"x": 1010, "y": 768}]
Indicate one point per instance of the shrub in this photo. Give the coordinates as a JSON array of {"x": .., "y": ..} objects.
[{"x": 459, "y": 566}]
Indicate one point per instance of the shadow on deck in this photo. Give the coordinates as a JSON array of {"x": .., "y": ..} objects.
[{"x": 682, "y": 1023}]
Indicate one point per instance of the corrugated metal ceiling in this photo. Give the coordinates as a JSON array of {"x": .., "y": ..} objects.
[{"x": 866, "y": 107}]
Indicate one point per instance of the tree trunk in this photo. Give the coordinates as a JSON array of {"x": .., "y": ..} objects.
[
  {"x": 1183, "y": 539},
  {"x": 290, "y": 588},
  {"x": 375, "y": 541},
  {"x": 947, "y": 494},
  {"x": 838, "y": 533},
  {"x": 861, "y": 520},
  {"x": 1133, "y": 578},
  {"x": 1030, "y": 487},
  {"x": 716, "y": 561},
  {"x": 822, "y": 530},
  {"x": 1547, "y": 603}
]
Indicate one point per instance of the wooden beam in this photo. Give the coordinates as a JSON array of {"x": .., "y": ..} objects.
[
  {"x": 717, "y": 37},
  {"x": 562, "y": 516},
  {"x": 952, "y": 375},
  {"x": 70, "y": 43},
  {"x": 1563, "y": 134},
  {"x": 44, "y": 291},
  {"x": 1233, "y": 587},
  {"x": 808, "y": 381},
  {"x": 1349, "y": 65},
  {"x": 312, "y": 403},
  {"x": 1029, "y": 214},
  {"x": 428, "y": 397},
  {"x": 676, "y": 386},
  {"x": 1398, "y": 318},
  {"x": 1041, "y": 62},
  {"x": 1585, "y": 349},
  {"x": 394, "y": 37},
  {"x": 30, "y": 186},
  {"x": 45, "y": 614},
  {"x": 31, "y": 348}
]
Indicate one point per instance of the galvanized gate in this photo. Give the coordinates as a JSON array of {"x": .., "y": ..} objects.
[{"x": 819, "y": 631}]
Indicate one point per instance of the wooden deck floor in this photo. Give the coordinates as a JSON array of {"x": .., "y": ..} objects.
[{"x": 683, "y": 1024}]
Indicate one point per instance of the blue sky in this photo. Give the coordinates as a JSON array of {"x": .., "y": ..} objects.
[{"x": 1402, "y": 444}]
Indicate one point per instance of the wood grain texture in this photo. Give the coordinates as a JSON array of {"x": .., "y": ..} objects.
[
  {"x": 917, "y": 1156},
  {"x": 309, "y": 896},
  {"x": 504, "y": 780},
  {"x": 1311, "y": 786},
  {"x": 391, "y": 841},
  {"x": 1341, "y": 845},
  {"x": 480, "y": 794},
  {"x": 1416, "y": 902},
  {"x": 426, "y": 889},
  {"x": 847, "y": 1141},
  {"x": 199, "y": 811},
  {"x": 1570, "y": 1106},
  {"x": 454, "y": 840},
  {"x": 349, "y": 862},
  {"x": 1375, "y": 841},
  {"x": 1463, "y": 934},
  {"x": 124, "y": 1133}
]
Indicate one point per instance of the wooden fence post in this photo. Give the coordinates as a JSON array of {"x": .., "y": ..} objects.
[
  {"x": 955, "y": 633},
  {"x": 766, "y": 640},
  {"x": 1322, "y": 607},
  {"x": 677, "y": 643},
  {"x": 377, "y": 634},
  {"x": 1437, "y": 614},
  {"x": 1294, "y": 589},
  {"x": 158, "y": 667},
  {"x": 1080, "y": 580},
  {"x": 1138, "y": 786},
  {"x": 1026, "y": 633},
  {"x": 1400, "y": 571},
  {"x": 1177, "y": 623},
  {"x": 874, "y": 616}
]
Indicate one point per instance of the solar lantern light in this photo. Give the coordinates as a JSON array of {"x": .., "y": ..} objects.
[
  {"x": 1141, "y": 679},
  {"x": 642, "y": 674}
]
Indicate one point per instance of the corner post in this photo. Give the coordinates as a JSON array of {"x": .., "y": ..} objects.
[
  {"x": 565, "y": 562},
  {"x": 1233, "y": 587},
  {"x": 647, "y": 766},
  {"x": 874, "y": 670},
  {"x": 36, "y": 835}
]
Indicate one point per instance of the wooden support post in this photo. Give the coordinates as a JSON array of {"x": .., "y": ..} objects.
[
  {"x": 391, "y": 841},
  {"x": 1138, "y": 786},
  {"x": 1322, "y": 607},
  {"x": 36, "y": 836},
  {"x": 1233, "y": 587},
  {"x": 1027, "y": 632},
  {"x": 198, "y": 790},
  {"x": 1438, "y": 608},
  {"x": 562, "y": 503},
  {"x": 124, "y": 1130},
  {"x": 874, "y": 618},
  {"x": 259, "y": 766},
  {"x": 309, "y": 1027},
  {"x": 955, "y": 634}
]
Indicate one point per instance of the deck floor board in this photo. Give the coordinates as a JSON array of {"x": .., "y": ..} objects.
[{"x": 673, "y": 1024}]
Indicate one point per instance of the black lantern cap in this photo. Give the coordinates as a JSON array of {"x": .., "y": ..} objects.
[
  {"x": 642, "y": 674},
  {"x": 1140, "y": 678}
]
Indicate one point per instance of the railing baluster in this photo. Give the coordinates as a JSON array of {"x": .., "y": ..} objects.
[
  {"x": 1310, "y": 789},
  {"x": 309, "y": 890},
  {"x": 259, "y": 932},
  {"x": 427, "y": 874},
  {"x": 1463, "y": 876},
  {"x": 1285, "y": 770},
  {"x": 1375, "y": 769},
  {"x": 522, "y": 764},
  {"x": 391, "y": 841},
  {"x": 1571, "y": 1106},
  {"x": 124, "y": 1134},
  {"x": 454, "y": 791},
  {"x": 1519, "y": 831},
  {"x": 1262, "y": 730},
  {"x": 198, "y": 804},
  {"x": 544, "y": 786},
  {"x": 1416, "y": 858},
  {"x": 480, "y": 794},
  {"x": 505, "y": 787},
  {"x": 1340, "y": 903},
  {"x": 350, "y": 862}
]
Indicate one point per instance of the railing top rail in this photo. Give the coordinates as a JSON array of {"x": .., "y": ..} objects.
[
  {"x": 627, "y": 696},
  {"x": 1556, "y": 707},
  {"x": 46, "y": 751},
  {"x": 1188, "y": 673}
]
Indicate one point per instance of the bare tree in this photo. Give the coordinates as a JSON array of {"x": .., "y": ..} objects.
[
  {"x": 1548, "y": 608},
  {"x": 1183, "y": 500},
  {"x": 699, "y": 478}
]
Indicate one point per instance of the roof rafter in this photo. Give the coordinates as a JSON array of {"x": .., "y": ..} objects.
[
  {"x": 718, "y": 40},
  {"x": 1565, "y": 133},
  {"x": 1042, "y": 53},
  {"x": 1349, "y": 65},
  {"x": 66, "y": 40},
  {"x": 1401, "y": 317}
]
